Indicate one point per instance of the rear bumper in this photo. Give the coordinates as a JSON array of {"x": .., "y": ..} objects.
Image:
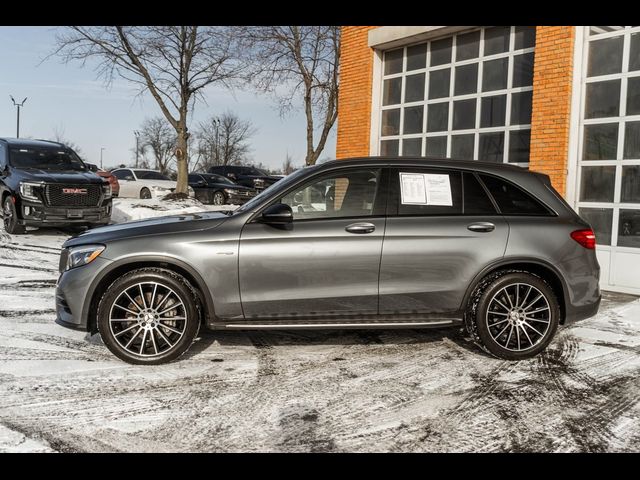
[{"x": 36, "y": 214}]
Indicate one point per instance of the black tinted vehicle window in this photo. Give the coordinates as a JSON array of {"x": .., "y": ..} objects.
[
  {"x": 476, "y": 200},
  {"x": 150, "y": 175},
  {"x": 428, "y": 192},
  {"x": 512, "y": 200},
  {"x": 218, "y": 179},
  {"x": 194, "y": 178},
  {"x": 3, "y": 155}
]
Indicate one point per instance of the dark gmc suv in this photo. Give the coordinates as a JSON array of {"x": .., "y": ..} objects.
[
  {"x": 246, "y": 176},
  {"x": 45, "y": 183}
]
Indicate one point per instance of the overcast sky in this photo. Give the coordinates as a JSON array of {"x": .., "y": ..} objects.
[{"x": 72, "y": 99}]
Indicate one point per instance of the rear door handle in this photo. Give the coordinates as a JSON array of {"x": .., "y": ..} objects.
[
  {"x": 482, "y": 227},
  {"x": 360, "y": 227}
]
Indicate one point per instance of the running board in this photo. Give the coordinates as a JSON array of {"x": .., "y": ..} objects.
[{"x": 354, "y": 325}]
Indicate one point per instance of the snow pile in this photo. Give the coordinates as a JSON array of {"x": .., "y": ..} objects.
[{"x": 128, "y": 209}]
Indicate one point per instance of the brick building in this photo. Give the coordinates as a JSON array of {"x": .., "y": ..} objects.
[{"x": 563, "y": 100}]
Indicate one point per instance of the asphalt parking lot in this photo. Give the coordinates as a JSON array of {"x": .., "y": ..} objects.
[{"x": 368, "y": 391}]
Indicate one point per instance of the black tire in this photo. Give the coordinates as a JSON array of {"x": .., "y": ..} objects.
[
  {"x": 509, "y": 302},
  {"x": 145, "y": 193},
  {"x": 219, "y": 198},
  {"x": 10, "y": 217},
  {"x": 160, "y": 342}
]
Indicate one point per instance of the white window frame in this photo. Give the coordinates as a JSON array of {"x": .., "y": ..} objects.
[
  {"x": 621, "y": 119},
  {"x": 377, "y": 92}
]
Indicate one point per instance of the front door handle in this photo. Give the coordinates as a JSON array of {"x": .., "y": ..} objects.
[
  {"x": 360, "y": 227},
  {"x": 482, "y": 227}
]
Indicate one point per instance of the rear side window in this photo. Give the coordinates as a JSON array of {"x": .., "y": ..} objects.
[
  {"x": 122, "y": 174},
  {"x": 476, "y": 200},
  {"x": 512, "y": 200},
  {"x": 428, "y": 191}
]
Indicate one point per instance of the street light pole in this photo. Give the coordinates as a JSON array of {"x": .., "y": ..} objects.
[
  {"x": 137, "y": 134},
  {"x": 102, "y": 149},
  {"x": 18, "y": 105}
]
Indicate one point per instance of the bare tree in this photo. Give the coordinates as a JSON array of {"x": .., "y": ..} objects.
[
  {"x": 287, "y": 165},
  {"x": 60, "y": 137},
  {"x": 305, "y": 61},
  {"x": 173, "y": 63},
  {"x": 157, "y": 136},
  {"x": 223, "y": 140}
]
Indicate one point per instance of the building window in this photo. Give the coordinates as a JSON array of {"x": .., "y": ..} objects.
[
  {"x": 466, "y": 96},
  {"x": 609, "y": 156}
]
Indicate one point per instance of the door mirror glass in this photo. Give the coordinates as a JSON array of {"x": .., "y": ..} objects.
[
  {"x": 129, "y": 178},
  {"x": 278, "y": 214}
]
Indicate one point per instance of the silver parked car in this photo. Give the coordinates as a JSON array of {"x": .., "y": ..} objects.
[{"x": 364, "y": 243}]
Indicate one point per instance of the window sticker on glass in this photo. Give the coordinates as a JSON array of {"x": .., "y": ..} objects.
[{"x": 425, "y": 189}]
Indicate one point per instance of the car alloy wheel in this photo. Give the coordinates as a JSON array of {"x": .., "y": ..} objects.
[
  {"x": 518, "y": 317},
  {"x": 9, "y": 217},
  {"x": 218, "y": 198},
  {"x": 148, "y": 319},
  {"x": 145, "y": 193}
]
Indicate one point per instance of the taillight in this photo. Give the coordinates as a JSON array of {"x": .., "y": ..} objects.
[{"x": 585, "y": 237}]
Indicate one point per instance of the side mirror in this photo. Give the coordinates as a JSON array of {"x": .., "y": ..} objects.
[
  {"x": 278, "y": 214},
  {"x": 201, "y": 182},
  {"x": 232, "y": 176},
  {"x": 129, "y": 178}
]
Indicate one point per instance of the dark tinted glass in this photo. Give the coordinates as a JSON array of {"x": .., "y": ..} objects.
[
  {"x": 600, "y": 220},
  {"x": 439, "y": 82},
  {"x": 519, "y": 146},
  {"x": 523, "y": 70},
  {"x": 414, "y": 88},
  {"x": 462, "y": 147},
  {"x": 600, "y": 142},
  {"x": 464, "y": 114},
  {"x": 389, "y": 148},
  {"x": 491, "y": 147},
  {"x": 632, "y": 140},
  {"x": 437, "y": 117},
  {"x": 629, "y": 228},
  {"x": 525, "y": 37},
  {"x": 492, "y": 111},
  {"x": 494, "y": 74},
  {"x": 633, "y": 96},
  {"x": 391, "y": 91},
  {"x": 194, "y": 178},
  {"x": 413, "y": 119},
  {"x": 630, "y": 184},
  {"x": 512, "y": 200},
  {"x": 441, "y": 51},
  {"x": 634, "y": 57},
  {"x": 455, "y": 182},
  {"x": 393, "y": 61},
  {"x": 496, "y": 40},
  {"x": 476, "y": 201},
  {"x": 412, "y": 147},
  {"x": 436, "y": 147},
  {"x": 467, "y": 46},
  {"x": 605, "y": 56},
  {"x": 391, "y": 122},
  {"x": 597, "y": 184},
  {"x": 602, "y": 99},
  {"x": 466, "y": 79},
  {"x": 521, "y": 108},
  {"x": 416, "y": 57}
]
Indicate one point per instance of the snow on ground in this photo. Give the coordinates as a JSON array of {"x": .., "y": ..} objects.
[
  {"x": 377, "y": 390},
  {"x": 128, "y": 209}
]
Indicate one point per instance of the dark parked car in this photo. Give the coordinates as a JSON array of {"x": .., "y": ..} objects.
[
  {"x": 45, "y": 183},
  {"x": 111, "y": 178},
  {"x": 365, "y": 243},
  {"x": 246, "y": 176},
  {"x": 218, "y": 190}
]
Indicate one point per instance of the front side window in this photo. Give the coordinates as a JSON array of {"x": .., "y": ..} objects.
[
  {"x": 467, "y": 96},
  {"x": 345, "y": 194}
]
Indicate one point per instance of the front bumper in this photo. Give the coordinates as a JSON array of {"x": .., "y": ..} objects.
[
  {"x": 36, "y": 214},
  {"x": 73, "y": 294},
  {"x": 238, "y": 199}
]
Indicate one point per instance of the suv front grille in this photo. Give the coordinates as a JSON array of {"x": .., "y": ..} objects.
[{"x": 72, "y": 195}]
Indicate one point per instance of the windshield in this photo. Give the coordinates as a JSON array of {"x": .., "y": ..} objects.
[
  {"x": 274, "y": 189},
  {"x": 45, "y": 158},
  {"x": 150, "y": 175}
]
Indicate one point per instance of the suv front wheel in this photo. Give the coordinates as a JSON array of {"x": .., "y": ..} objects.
[
  {"x": 149, "y": 316},
  {"x": 10, "y": 217},
  {"x": 515, "y": 314}
]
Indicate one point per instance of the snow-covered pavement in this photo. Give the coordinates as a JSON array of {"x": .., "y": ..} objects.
[{"x": 389, "y": 390}]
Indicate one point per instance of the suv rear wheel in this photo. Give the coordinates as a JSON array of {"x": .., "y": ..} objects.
[
  {"x": 515, "y": 314},
  {"x": 10, "y": 217},
  {"x": 149, "y": 316}
]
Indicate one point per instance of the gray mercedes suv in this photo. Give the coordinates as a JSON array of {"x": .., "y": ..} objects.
[{"x": 361, "y": 243}]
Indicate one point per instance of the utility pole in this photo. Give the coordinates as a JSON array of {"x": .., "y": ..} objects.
[
  {"x": 102, "y": 149},
  {"x": 18, "y": 105},
  {"x": 137, "y": 134}
]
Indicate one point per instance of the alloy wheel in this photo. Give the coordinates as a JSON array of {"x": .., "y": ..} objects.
[
  {"x": 148, "y": 319},
  {"x": 7, "y": 214},
  {"x": 518, "y": 317},
  {"x": 218, "y": 198}
]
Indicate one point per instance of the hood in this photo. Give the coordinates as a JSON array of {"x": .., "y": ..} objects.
[
  {"x": 60, "y": 176},
  {"x": 151, "y": 226}
]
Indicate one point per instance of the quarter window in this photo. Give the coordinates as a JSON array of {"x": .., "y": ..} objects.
[
  {"x": 512, "y": 200},
  {"x": 465, "y": 96}
]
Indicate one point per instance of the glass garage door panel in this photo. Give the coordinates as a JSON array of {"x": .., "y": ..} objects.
[{"x": 608, "y": 190}]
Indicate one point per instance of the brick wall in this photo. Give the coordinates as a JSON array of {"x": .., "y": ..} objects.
[
  {"x": 552, "y": 80},
  {"x": 354, "y": 99}
]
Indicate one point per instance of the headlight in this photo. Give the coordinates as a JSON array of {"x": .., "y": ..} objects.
[
  {"x": 78, "y": 256},
  {"x": 230, "y": 191},
  {"x": 27, "y": 191},
  {"x": 106, "y": 190}
]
